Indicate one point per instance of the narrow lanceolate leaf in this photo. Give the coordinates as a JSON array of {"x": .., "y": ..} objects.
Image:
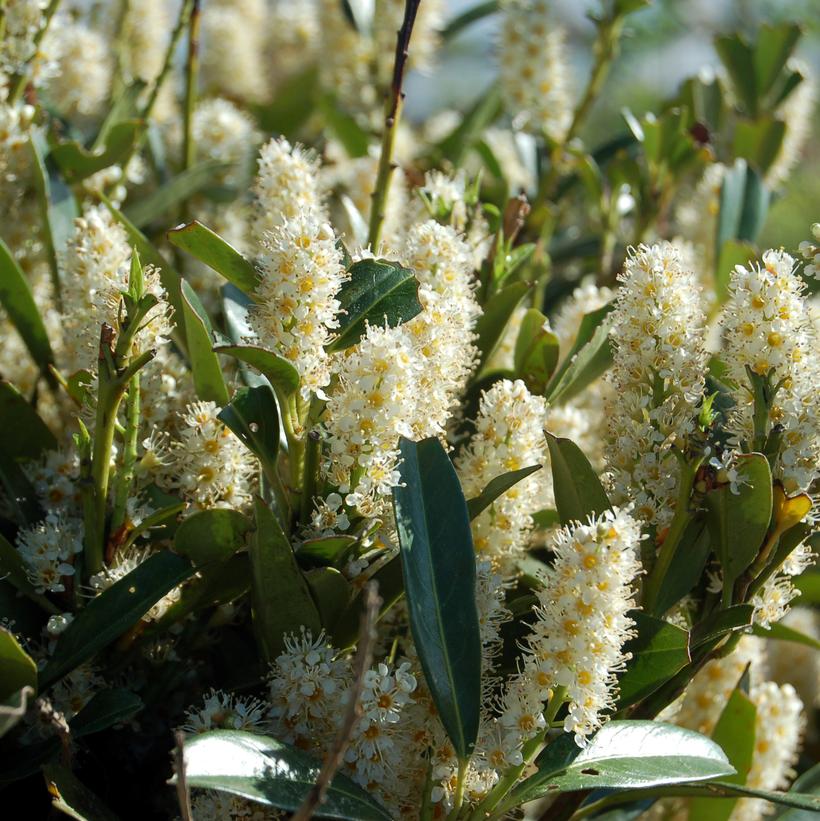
[
  {"x": 280, "y": 596},
  {"x": 578, "y": 490},
  {"x": 738, "y": 521},
  {"x": 72, "y": 798},
  {"x": 735, "y": 733},
  {"x": 498, "y": 487},
  {"x": 658, "y": 652},
  {"x": 497, "y": 312},
  {"x": 588, "y": 358},
  {"x": 283, "y": 376},
  {"x": 18, "y": 302},
  {"x": 624, "y": 755},
  {"x": 379, "y": 292},
  {"x": 17, "y": 667},
  {"x": 209, "y": 248},
  {"x": 31, "y": 436},
  {"x": 438, "y": 560},
  {"x": 110, "y": 614},
  {"x": 207, "y": 373},
  {"x": 78, "y": 163},
  {"x": 105, "y": 709},
  {"x": 807, "y": 783},
  {"x": 212, "y": 535},
  {"x": 253, "y": 416},
  {"x": 266, "y": 770},
  {"x": 781, "y": 632},
  {"x": 687, "y": 565},
  {"x": 536, "y": 351}
]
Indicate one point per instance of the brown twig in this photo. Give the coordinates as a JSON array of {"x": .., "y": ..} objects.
[
  {"x": 183, "y": 794},
  {"x": 361, "y": 664},
  {"x": 391, "y": 121}
]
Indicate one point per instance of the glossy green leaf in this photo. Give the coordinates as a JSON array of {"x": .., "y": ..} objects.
[
  {"x": 536, "y": 351},
  {"x": 110, "y": 614},
  {"x": 31, "y": 435},
  {"x": 78, "y": 162},
  {"x": 780, "y": 632},
  {"x": 588, "y": 358},
  {"x": 57, "y": 203},
  {"x": 806, "y": 783},
  {"x": 659, "y": 651},
  {"x": 687, "y": 565},
  {"x": 438, "y": 561},
  {"x": 72, "y": 798},
  {"x": 738, "y": 522},
  {"x": 735, "y": 733},
  {"x": 498, "y": 487},
  {"x": 282, "y": 376},
  {"x": 492, "y": 323},
  {"x": 253, "y": 416},
  {"x": 325, "y": 550},
  {"x": 17, "y": 667},
  {"x": 176, "y": 190},
  {"x": 266, "y": 770},
  {"x": 205, "y": 368},
  {"x": 379, "y": 292},
  {"x": 211, "y": 535},
  {"x": 578, "y": 490},
  {"x": 718, "y": 624},
  {"x": 738, "y": 58},
  {"x": 209, "y": 248},
  {"x": 623, "y": 755},
  {"x": 105, "y": 709},
  {"x": 280, "y": 596},
  {"x": 331, "y": 591},
  {"x": 774, "y": 46},
  {"x": 18, "y": 302},
  {"x": 546, "y": 518}
]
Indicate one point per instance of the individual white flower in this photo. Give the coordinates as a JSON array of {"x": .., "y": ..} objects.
[
  {"x": 810, "y": 251},
  {"x": 301, "y": 272},
  {"x": 509, "y": 436},
  {"x": 207, "y": 464},
  {"x": 47, "y": 549},
  {"x": 657, "y": 378},
  {"x": 224, "y": 711},
  {"x": 534, "y": 67},
  {"x": 778, "y": 729},
  {"x": 767, "y": 328}
]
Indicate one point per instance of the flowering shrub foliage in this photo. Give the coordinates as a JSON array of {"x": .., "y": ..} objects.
[{"x": 372, "y": 469}]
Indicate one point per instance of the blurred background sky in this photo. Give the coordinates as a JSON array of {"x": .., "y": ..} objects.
[{"x": 663, "y": 44}]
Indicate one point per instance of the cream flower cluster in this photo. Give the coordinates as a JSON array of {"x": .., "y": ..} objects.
[
  {"x": 145, "y": 34},
  {"x": 534, "y": 67},
  {"x": 224, "y": 711},
  {"x": 771, "y": 602},
  {"x": 793, "y": 663},
  {"x": 22, "y": 19},
  {"x": 767, "y": 327},
  {"x": 810, "y": 251},
  {"x": 48, "y": 549},
  {"x": 657, "y": 378},
  {"x": 205, "y": 462},
  {"x": 581, "y": 623},
  {"x": 509, "y": 436}
]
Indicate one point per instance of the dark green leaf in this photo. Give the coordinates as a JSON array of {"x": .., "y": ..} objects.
[
  {"x": 588, "y": 358},
  {"x": 281, "y": 599},
  {"x": 344, "y": 127},
  {"x": 110, "y": 614},
  {"x": 17, "y": 667},
  {"x": 279, "y": 372},
  {"x": 578, "y": 490},
  {"x": 438, "y": 560},
  {"x": 775, "y": 45},
  {"x": 265, "y": 770},
  {"x": 498, "y": 487},
  {"x": 628, "y": 754},
  {"x": 536, "y": 351},
  {"x": 252, "y": 415},
  {"x": 781, "y": 632},
  {"x": 209, "y": 248},
  {"x": 497, "y": 312},
  {"x": 72, "y": 798},
  {"x": 759, "y": 142},
  {"x": 379, "y": 292},
  {"x": 331, "y": 591},
  {"x": 717, "y": 625},
  {"x": 208, "y": 379},
  {"x": 687, "y": 565},
  {"x": 212, "y": 535},
  {"x": 105, "y": 709},
  {"x": 738, "y": 522},
  {"x": 738, "y": 58},
  {"x": 659, "y": 651},
  {"x": 546, "y": 518},
  {"x": 807, "y": 783},
  {"x": 326, "y": 550},
  {"x": 735, "y": 733},
  {"x": 18, "y": 301},
  {"x": 31, "y": 435},
  {"x": 176, "y": 190},
  {"x": 291, "y": 106},
  {"x": 79, "y": 163}
]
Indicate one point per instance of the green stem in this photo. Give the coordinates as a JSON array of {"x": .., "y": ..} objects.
[
  {"x": 392, "y": 112},
  {"x": 191, "y": 80},
  {"x": 458, "y": 796},
  {"x": 125, "y": 475},
  {"x": 18, "y": 82},
  {"x": 669, "y": 547}
]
